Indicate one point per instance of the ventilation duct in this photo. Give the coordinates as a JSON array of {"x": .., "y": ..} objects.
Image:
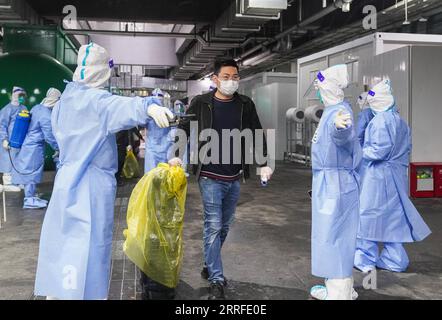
[{"x": 263, "y": 7}]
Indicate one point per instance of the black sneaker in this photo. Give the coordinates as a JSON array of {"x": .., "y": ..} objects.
[
  {"x": 216, "y": 291},
  {"x": 205, "y": 276}
]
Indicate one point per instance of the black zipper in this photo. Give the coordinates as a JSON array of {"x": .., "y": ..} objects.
[{"x": 242, "y": 162}]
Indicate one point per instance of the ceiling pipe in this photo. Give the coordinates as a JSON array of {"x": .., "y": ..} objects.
[
  {"x": 243, "y": 30},
  {"x": 130, "y": 33},
  {"x": 219, "y": 46},
  {"x": 228, "y": 40},
  {"x": 226, "y": 35},
  {"x": 331, "y": 8}
]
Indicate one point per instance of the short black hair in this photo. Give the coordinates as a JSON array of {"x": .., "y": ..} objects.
[{"x": 224, "y": 63}]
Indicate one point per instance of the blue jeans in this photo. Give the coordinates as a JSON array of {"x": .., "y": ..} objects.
[{"x": 219, "y": 200}]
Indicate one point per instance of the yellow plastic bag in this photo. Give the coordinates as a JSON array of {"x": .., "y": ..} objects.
[
  {"x": 131, "y": 168},
  {"x": 155, "y": 224}
]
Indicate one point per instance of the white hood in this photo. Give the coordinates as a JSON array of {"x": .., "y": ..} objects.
[
  {"x": 380, "y": 97},
  {"x": 331, "y": 83},
  {"x": 52, "y": 97},
  {"x": 94, "y": 66}
]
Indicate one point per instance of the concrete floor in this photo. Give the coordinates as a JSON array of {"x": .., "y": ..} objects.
[{"x": 267, "y": 254}]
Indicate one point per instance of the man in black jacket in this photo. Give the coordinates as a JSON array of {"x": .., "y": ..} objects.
[{"x": 223, "y": 111}]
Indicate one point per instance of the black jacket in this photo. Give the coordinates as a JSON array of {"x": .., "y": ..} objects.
[{"x": 202, "y": 108}]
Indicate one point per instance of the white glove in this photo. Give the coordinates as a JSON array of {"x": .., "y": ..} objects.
[
  {"x": 6, "y": 145},
  {"x": 160, "y": 115},
  {"x": 175, "y": 162},
  {"x": 266, "y": 174},
  {"x": 343, "y": 120}
]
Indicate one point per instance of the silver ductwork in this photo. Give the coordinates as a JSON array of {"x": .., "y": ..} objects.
[
  {"x": 331, "y": 8},
  {"x": 231, "y": 30},
  {"x": 18, "y": 11}
]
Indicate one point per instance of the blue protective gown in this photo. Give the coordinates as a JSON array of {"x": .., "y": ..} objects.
[
  {"x": 387, "y": 213},
  {"x": 30, "y": 158},
  {"x": 364, "y": 118},
  {"x": 158, "y": 143},
  {"x": 75, "y": 247},
  {"x": 336, "y": 156},
  {"x": 7, "y": 120}
]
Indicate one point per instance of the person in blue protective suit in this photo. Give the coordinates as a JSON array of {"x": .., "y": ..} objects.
[
  {"x": 387, "y": 214},
  {"x": 8, "y": 114},
  {"x": 76, "y": 239},
  {"x": 29, "y": 162},
  {"x": 364, "y": 118},
  {"x": 336, "y": 156},
  {"x": 158, "y": 140}
]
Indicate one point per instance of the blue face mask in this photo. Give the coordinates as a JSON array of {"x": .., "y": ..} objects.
[{"x": 21, "y": 100}]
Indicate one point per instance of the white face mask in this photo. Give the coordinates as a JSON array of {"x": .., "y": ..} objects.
[{"x": 228, "y": 87}]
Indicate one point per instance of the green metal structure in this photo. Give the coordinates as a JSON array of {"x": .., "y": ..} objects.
[
  {"x": 49, "y": 40},
  {"x": 36, "y": 59}
]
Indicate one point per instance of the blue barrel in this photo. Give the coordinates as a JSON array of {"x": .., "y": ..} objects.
[{"x": 20, "y": 129}]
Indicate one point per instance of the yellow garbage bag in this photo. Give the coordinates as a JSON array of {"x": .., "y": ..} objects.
[
  {"x": 131, "y": 168},
  {"x": 155, "y": 224}
]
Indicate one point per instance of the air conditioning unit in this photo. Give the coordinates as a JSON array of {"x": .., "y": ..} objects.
[{"x": 263, "y": 7}]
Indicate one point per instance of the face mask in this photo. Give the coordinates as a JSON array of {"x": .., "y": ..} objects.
[
  {"x": 228, "y": 87},
  {"x": 21, "y": 100}
]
